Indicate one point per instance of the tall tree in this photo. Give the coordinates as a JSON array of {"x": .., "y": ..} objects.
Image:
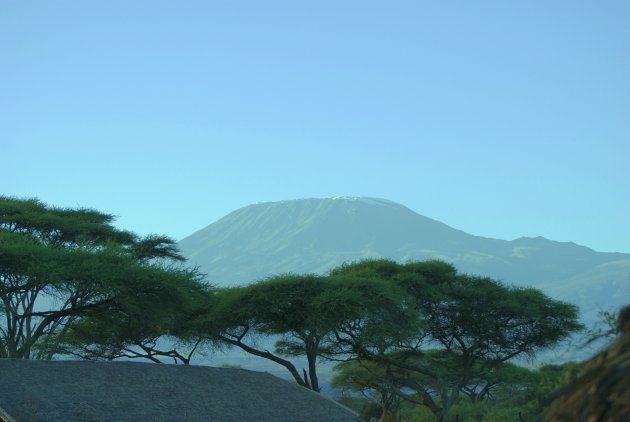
[
  {"x": 60, "y": 266},
  {"x": 474, "y": 323},
  {"x": 300, "y": 312}
]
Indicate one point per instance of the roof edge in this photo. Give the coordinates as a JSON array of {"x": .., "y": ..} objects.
[{"x": 5, "y": 417}]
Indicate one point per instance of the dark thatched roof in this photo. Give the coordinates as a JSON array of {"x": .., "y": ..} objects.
[
  {"x": 128, "y": 391},
  {"x": 602, "y": 392}
]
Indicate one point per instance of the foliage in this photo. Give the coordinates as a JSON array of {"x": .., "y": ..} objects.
[
  {"x": 144, "y": 320},
  {"x": 604, "y": 331},
  {"x": 301, "y": 311},
  {"x": 69, "y": 277},
  {"x": 367, "y": 379},
  {"x": 511, "y": 392},
  {"x": 473, "y": 324}
]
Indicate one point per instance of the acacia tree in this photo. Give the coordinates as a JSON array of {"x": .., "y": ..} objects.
[
  {"x": 475, "y": 324},
  {"x": 151, "y": 323},
  {"x": 60, "y": 266},
  {"x": 300, "y": 312}
]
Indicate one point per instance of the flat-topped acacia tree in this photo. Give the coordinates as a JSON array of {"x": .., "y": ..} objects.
[
  {"x": 464, "y": 328},
  {"x": 300, "y": 312},
  {"x": 62, "y": 267}
]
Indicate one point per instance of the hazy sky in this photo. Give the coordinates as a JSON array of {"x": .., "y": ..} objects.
[{"x": 499, "y": 118}]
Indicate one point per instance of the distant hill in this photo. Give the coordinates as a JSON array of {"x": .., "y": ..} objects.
[{"x": 315, "y": 235}]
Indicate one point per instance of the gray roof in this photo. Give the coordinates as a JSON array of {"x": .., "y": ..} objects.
[{"x": 32, "y": 390}]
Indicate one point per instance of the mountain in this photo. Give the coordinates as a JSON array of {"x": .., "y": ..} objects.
[{"x": 315, "y": 235}]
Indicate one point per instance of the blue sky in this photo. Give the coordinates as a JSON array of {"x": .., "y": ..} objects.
[{"x": 502, "y": 119}]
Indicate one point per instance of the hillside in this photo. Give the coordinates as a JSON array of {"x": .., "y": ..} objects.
[{"x": 314, "y": 235}]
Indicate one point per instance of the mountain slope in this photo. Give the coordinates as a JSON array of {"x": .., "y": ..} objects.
[{"x": 314, "y": 235}]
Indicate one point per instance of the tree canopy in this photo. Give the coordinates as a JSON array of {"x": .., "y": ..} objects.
[
  {"x": 429, "y": 334},
  {"x": 62, "y": 270},
  {"x": 463, "y": 328},
  {"x": 300, "y": 312}
]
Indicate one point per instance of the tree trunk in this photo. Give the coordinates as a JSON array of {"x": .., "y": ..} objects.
[
  {"x": 387, "y": 415},
  {"x": 312, "y": 370},
  {"x": 264, "y": 354}
]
